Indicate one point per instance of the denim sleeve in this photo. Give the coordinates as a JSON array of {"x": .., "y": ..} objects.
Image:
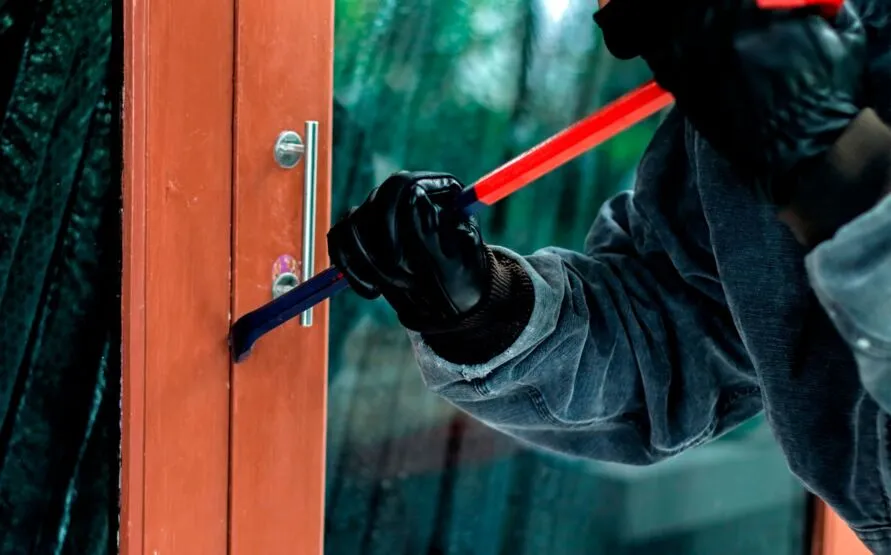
[
  {"x": 624, "y": 359},
  {"x": 851, "y": 276}
]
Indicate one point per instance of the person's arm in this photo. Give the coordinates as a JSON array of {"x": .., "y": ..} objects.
[
  {"x": 847, "y": 197},
  {"x": 786, "y": 101},
  {"x": 627, "y": 352},
  {"x": 851, "y": 275},
  {"x": 624, "y": 352}
]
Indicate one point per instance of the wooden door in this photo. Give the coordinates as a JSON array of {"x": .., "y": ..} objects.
[
  {"x": 176, "y": 288},
  {"x": 283, "y": 82},
  {"x": 221, "y": 458},
  {"x": 832, "y": 536}
]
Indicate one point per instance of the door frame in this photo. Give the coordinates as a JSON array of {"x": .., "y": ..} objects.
[
  {"x": 133, "y": 277},
  {"x": 176, "y": 185},
  {"x": 133, "y": 270}
]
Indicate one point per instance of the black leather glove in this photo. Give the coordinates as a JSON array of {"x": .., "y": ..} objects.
[
  {"x": 642, "y": 28},
  {"x": 768, "y": 90},
  {"x": 403, "y": 242},
  {"x": 776, "y": 93}
]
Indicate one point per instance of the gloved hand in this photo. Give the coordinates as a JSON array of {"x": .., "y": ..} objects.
[
  {"x": 640, "y": 28},
  {"x": 768, "y": 90},
  {"x": 428, "y": 262}
]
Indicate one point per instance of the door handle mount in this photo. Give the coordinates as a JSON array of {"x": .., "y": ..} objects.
[{"x": 288, "y": 149}]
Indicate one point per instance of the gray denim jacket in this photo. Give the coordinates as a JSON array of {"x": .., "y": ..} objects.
[{"x": 691, "y": 309}]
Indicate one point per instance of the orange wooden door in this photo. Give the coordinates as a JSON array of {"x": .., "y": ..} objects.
[
  {"x": 283, "y": 82},
  {"x": 832, "y": 536},
  {"x": 219, "y": 458},
  {"x": 176, "y": 287}
]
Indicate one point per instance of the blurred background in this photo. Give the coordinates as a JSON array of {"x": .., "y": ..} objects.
[{"x": 463, "y": 86}]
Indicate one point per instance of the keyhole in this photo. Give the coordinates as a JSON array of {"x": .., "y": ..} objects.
[{"x": 284, "y": 283}]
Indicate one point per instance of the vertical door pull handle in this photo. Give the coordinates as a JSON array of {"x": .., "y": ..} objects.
[{"x": 310, "y": 184}]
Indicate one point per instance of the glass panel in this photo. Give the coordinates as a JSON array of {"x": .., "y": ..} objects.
[{"x": 463, "y": 87}]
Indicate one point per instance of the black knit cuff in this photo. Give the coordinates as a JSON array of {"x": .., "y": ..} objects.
[
  {"x": 495, "y": 324},
  {"x": 849, "y": 180}
]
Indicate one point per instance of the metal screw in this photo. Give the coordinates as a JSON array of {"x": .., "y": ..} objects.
[{"x": 288, "y": 149}]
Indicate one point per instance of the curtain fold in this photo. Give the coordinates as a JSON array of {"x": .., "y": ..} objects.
[{"x": 60, "y": 241}]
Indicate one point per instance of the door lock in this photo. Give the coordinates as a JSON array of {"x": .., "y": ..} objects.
[
  {"x": 283, "y": 284},
  {"x": 284, "y": 275}
]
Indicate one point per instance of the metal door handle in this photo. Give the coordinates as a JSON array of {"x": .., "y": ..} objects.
[
  {"x": 310, "y": 182},
  {"x": 289, "y": 149}
]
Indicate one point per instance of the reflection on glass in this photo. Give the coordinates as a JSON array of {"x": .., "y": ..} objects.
[{"x": 463, "y": 87}]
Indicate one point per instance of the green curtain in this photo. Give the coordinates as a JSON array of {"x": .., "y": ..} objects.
[{"x": 60, "y": 236}]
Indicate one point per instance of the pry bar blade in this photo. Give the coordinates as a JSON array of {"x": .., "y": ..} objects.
[{"x": 253, "y": 325}]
